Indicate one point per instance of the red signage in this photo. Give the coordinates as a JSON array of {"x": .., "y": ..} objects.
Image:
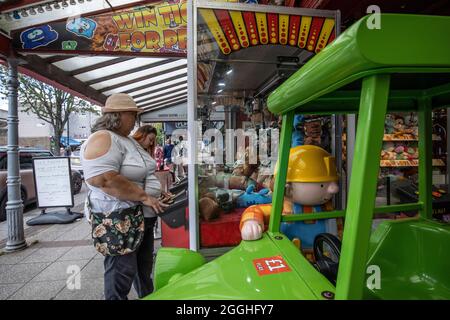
[{"x": 271, "y": 265}]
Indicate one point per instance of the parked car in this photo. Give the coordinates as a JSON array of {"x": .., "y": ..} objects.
[
  {"x": 75, "y": 163},
  {"x": 65, "y": 141},
  {"x": 28, "y": 191}
]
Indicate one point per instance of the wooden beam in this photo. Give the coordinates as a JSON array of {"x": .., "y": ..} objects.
[
  {"x": 176, "y": 97},
  {"x": 159, "y": 89},
  {"x": 153, "y": 75},
  {"x": 163, "y": 98},
  {"x": 99, "y": 65},
  {"x": 164, "y": 105},
  {"x": 71, "y": 84},
  {"x": 129, "y": 71},
  {"x": 58, "y": 58},
  {"x": 146, "y": 86},
  {"x": 5, "y": 46},
  {"x": 161, "y": 95}
]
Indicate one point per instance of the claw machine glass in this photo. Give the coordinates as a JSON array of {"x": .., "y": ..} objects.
[{"x": 238, "y": 54}]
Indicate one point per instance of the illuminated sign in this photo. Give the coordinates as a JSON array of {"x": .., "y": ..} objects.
[
  {"x": 158, "y": 29},
  {"x": 234, "y": 30}
]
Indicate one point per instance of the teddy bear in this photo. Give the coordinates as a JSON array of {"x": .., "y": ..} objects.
[{"x": 209, "y": 209}]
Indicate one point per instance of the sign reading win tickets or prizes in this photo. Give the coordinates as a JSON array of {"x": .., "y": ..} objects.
[
  {"x": 52, "y": 178},
  {"x": 271, "y": 265},
  {"x": 158, "y": 28}
]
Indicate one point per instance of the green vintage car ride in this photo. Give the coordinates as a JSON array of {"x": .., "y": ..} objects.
[{"x": 367, "y": 72}]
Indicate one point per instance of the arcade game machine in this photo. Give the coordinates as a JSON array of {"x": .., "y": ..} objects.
[
  {"x": 374, "y": 71},
  {"x": 242, "y": 53}
]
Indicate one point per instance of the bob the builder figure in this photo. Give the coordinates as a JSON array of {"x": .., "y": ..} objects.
[{"x": 311, "y": 182}]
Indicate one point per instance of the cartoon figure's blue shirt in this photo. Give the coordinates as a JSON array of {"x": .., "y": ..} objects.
[{"x": 306, "y": 232}]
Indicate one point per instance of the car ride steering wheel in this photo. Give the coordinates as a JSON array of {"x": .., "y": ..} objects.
[{"x": 327, "y": 264}]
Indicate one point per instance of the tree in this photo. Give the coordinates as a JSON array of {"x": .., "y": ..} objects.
[{"x": 48, "y": 103}]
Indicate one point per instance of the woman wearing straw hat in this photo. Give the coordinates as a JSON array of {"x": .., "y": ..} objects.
[{"x": 115, "y": 171}]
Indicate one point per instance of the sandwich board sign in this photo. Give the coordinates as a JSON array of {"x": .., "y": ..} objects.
[{"x": 53, "y": 182}]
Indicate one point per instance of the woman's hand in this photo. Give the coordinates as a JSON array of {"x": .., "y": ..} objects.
[
  {"x": 153, "y": 203},
  {"x": 166, "y": 197},
  {"x": 166, "y": 194}
]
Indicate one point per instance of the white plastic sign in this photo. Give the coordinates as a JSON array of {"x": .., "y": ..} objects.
[{"x": 52, "y": 178}]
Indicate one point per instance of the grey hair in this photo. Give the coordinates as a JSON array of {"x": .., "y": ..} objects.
[{"x": 108, "y": 121}]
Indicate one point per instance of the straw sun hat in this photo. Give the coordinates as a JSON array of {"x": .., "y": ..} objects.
[{"x": 120, "y": 102}]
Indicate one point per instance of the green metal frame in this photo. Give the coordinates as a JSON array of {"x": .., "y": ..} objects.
[
  {"x": 362, "y": 189},
  {"x": 425, "y": 157},
  {"x": 283, "y": 160},
  {"x": 312, "y": 90},
  {"x": 373, "y": 104}
]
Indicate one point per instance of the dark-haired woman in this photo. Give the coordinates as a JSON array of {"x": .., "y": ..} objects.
[{"x": 145, "y": 136}]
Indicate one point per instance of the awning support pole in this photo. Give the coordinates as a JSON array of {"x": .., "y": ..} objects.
[{"x": 14, "y": 206}]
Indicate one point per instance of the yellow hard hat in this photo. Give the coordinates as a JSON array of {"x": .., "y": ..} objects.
[{"x": 311, "y": 163}]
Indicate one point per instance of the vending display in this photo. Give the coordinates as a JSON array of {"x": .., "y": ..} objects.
[{"x": 398, "y": 178}]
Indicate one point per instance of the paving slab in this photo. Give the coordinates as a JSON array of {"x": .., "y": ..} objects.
[
  {"x": 79, "y": 232},
  {"x": 89, "y": 290},
  {"x": 4, "y": 268},
  {"x": 22, "y": 273},
  {"x": 39, "y": 290},
  {"x": 46, "y": 255},
  {"x": 79, "y": 253},
  {"x": 59, "y": 270},
  {"x": 16, "y": 257},
  {"x": 7, "y": 290},
  {"x": 93, "y": 270}
]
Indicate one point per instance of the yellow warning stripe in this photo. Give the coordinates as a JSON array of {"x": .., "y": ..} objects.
[
  {"x": 325, "y": 34},
  {"x": 283, "y": 22},
  {"x": 214, "y": 26},
  {"x": 261, "y": 21},
  {"x": 239, "y": 26},
  {"x": 304, "y": 31}
]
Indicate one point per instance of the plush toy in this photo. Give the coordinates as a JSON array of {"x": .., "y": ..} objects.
[
  {"x": 224, "y": 200},
  {"x": 399, "y": 125},
  {"x": 238, "y": 170},
  {"x": 310, "y": 185},
  {"x": 238, "y": 182},
  {"x": 389, "y": 124},
  {"x": 209, "y": 209},
  {"x": 412, "y": 124},
  {"x": 250, "y": 198},
  {"x": 313, "y": 128},
  {"x": 248, "y": 169}
]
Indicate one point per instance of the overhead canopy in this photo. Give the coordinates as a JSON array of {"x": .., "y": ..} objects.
[
  {"x": 102, "y": 52},
  {"x": 361, "y": 51}
]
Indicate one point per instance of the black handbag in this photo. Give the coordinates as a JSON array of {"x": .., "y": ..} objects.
[{"x": 118, "y": 232}]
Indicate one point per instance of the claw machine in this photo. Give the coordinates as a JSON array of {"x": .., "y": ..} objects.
[{"x": 237, "y": 54}]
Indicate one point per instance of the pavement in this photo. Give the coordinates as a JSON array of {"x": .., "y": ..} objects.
[{"x": 60, "y": 262}]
